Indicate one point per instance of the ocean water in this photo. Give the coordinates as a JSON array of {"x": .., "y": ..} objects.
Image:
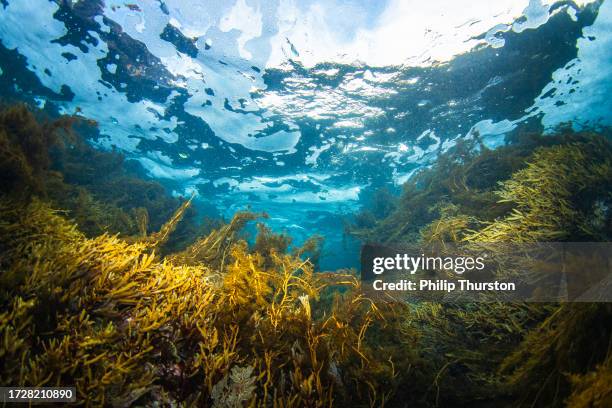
[{"x": 302, "y": 109}]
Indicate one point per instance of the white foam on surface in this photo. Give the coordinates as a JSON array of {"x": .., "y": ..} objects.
[
  {"x": 158, "y": 170},
  {"x": 589, "y": 75},
  {"x": 240, "y": 34},
  {"x": 121, "y": 121}
]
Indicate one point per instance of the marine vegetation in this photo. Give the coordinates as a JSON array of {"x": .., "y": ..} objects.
[
  {"x": 537, "y": 189},
  {"x": 123, "y": 325},
  {"x": 47, "y": 157},
  {"x": 128, "y": 320},
  {"x": 462, "y": 190},
  {"x": 215, "y": 324}
]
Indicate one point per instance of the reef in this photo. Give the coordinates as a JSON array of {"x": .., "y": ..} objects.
[
  {"x": 93, "y": 295},
  {"x": 124, "y": 326}
]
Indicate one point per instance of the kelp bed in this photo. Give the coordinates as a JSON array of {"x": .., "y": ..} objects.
[{"x": 129, "y": 319}]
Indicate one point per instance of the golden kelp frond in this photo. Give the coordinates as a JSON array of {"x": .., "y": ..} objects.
[
  {"x": 160, "y": 237},
  {"x": 449, "y": 229},
  {"x": 24, "y": 230},
  {"x": 323, "y": 353},
  {"x": 142, "y": 219},
  {"x": 452, "y": 226},
  {"x": 214, "y": 248},
  {"x": 593, "y": 389},
  {"x": 553, "y": 198},
  {"x": 56, "y": 262},
  {"x": 99, "y": 311}
]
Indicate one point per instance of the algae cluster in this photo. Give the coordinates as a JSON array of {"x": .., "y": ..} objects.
[
  {"x": 535, "y": 189},
  {"x": 216, "y": 323},
  {"x": 113, "y": 310},
  {"x": 51, "y": 159}
]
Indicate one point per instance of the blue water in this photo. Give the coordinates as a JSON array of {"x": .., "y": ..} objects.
[{"x": 303, "y": 108}]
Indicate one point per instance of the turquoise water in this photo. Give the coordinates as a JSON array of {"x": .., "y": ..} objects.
[{"x": 302, "y": 109}]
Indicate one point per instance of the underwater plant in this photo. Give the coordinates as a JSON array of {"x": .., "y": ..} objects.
[
  {"x": 538, "y": 189},
  {"x": 555, "y": 197},
  {"x": 93, "y": 296},
  {"x": 464, "y": 184},
  {"x": 50, "y": 159},
  {"x": 106, "y": 315}
]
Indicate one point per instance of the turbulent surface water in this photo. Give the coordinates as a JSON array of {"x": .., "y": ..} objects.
[{"x": 301, "y": 108}]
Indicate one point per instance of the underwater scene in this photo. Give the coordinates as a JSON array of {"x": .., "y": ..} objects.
[{"x": 200, "y": 201}]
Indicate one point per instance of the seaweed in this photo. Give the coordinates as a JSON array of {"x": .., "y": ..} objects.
[
  {"x": 215, "y": 247},
  {"x": 47, "y": 158},
  {"x": 568, "y": 344},
  {"x": 94, "y": 292},
  {"x": 592, "y": 389},
  {"x": 466, "y": 178},
  {"x": 554, "y": 198},
  {"x": 24, "y": 147},
  {"x": 124, "y": 327},
  {"x": 539, "y": 189},
  {"x": 268, "y": 243}
]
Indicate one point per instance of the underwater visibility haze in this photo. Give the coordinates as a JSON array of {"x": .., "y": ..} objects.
[{"x": 186, "y": 187}]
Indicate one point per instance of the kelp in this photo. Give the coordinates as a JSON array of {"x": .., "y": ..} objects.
[
  {"x": 592, "y": 389},
  {"x": 464, "y": 183},
  {"x": 268, "y": 243},
  {"x": 214, "y": 248},
  {"x": 125, "y": 327},
  {"x": 103, "y": 303},
  {"x": 160, "y": 237},
  {"x": 463, "y": 177},
  {"x": 539, "y": 189},
  {"x": 127, "y": 321},
  {"x": 24, "y": 149},
  {"x": 556, "y": 357},
  {"x": 554, "y": 198},
  {"x": 48, "y": 158},
  {"x": 463, "y": 345},
  {"x": 452, "y": 226}
]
